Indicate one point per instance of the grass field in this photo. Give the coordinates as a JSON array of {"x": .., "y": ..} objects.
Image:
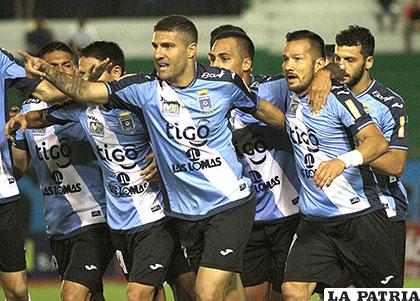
[{"x": 115, "y": 291}]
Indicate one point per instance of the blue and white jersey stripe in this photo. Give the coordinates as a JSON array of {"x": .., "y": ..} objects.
[
  {"x": 388, "y": 112},
  {"x": 68, "y": 175},
  {"x": 324, "y": 137},
  {"x": 11, "y": 75},
  {"x": 120, "y": 143},
  {"x": 267, "y": 154},
  {"x": 191, "y": 138}
]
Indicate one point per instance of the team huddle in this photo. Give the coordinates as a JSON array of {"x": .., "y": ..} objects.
[{"x": 225, "y": 184}]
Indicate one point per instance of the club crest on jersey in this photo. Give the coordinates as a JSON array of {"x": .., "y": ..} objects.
[
  {"x": 204, "y": 101},
  {"x": 38, "y": 132},
  {"x": 126, "y": 122},
  {"x": 170, "y": 108},
  {"x": 96, "y": 128}
]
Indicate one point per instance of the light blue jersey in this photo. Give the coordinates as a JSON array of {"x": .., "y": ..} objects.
[
  {"x": 11, "y": 75},
  {"x": 121, "y": 144},
  {"x": 267, "y": 155},
  {"x": 320, "y": 138},
  {"x": 191, "y": 138},
  {"x": 68, "y": 175},
  {"x": 388, "y": 112}
]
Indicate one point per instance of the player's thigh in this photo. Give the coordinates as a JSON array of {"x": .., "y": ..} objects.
[
  {"x": 225, "y": 237},
  {"x": 12, "y": 251},
  {"x": 313, "y": 256},
  {"x": 145, "y": 256}
]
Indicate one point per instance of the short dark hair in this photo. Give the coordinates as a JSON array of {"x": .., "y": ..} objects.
[
  {"x": 357, "y": 36},
  {"x": 56, "y": 46},
  {"x": 104, "y": 49},
  {"x": 226, "y": 27},
  {"x": 329, "y": 52},
  {"x": 178, "y": 23},
  {"x": 245, "y": 43},
  {"x": 317, "y": 43}
]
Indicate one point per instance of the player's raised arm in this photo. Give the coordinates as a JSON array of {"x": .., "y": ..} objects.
[
  {"x": 73, "y": 86},
  {"x": 269, "y": 114}
]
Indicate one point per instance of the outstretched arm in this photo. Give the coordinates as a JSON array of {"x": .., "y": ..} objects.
[
  {"x": 73, "y": 86},
  {"x": 29, "y": 120},
  {"x": 392, "y": 163}
]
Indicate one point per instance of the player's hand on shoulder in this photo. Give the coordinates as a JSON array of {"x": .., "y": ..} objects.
[
  {"x": 319, "y": 90},
  {"x": 327, "y": 171}
]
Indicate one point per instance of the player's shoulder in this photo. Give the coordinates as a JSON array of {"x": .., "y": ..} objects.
[
  {"x": 31, "y": 101},
  {"x": 261, "y": 79},
  {"x": 31, "y": 104},
  {"x": 209, "y": 73},
  {"x": 133, "y": 79},
  {"x": 340, "y": 92},
  {"x": 385, "y": 95}
]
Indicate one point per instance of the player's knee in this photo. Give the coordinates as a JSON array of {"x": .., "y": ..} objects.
[
  {"x": 17, "y": 293},
  {"x": 140, "y": 293},
  {"x": 295, "y": 291},
  {"x": 208, "y": 293}
]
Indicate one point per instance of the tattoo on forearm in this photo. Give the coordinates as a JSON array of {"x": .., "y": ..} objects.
[{"x": 68, "y": 84}]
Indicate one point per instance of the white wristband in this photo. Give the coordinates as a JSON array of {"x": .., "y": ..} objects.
[{"x": 353, "y": 158}]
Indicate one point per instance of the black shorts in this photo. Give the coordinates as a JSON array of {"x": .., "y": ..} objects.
[
  {"x": 145, "y": 256},
  {"x": 360, "y": 244},
  {"x": 12, "y": 242},
  {"x": 83, "y": 258},
  {"x": 179, "y": 263},
  {"x": 218, "y": 241},
  {"x": 398, "y": 229},
  {"x": 266, "y": 252}
]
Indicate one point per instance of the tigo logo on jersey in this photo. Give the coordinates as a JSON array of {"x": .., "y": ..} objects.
[
  {"x": 126, "y": 122},
  {"x": 96, "y": 128},
  {"x": 205, "y": 101}
]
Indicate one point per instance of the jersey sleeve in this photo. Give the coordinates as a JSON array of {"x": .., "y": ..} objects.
[
  {"x": 350, "y": 112},
  {"x": 274, "y": 92},
  {"x": 129, "y": 92},
  {"x": 398, "y": 133},
  {"x": 15, "y": 75},
  {"x": 65, "y": 113},
  {"x": 242, "y": 97},
  {"x": 20, "y": 140}
]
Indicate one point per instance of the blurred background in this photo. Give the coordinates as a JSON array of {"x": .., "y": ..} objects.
[{"x": 28, "y": 24}]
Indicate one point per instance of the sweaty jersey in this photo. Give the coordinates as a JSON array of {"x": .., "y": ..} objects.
[
  {"x": 11, "y": 75},
  {"x": 324, "y": 137},
  {"x": 68, "y": 175},
  {"x": 388, "y": 112},
  {"x": 120, "y": 143},
  {"x": 267, "y": 155},
  {"x": 191, "y": 138}
]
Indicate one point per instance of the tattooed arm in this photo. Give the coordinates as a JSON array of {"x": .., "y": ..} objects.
[{"x": 73, "y": 86}]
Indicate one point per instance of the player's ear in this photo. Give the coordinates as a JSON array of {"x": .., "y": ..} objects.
[
  {"x": 116, "y": 72},
  {"x": 369, "y": 62},
  {"x": 319, "y": 64},
  {"x": 247, "y": 64},
  {"x": 192, "y": 50}
]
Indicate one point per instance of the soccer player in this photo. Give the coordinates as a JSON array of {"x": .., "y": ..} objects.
[
  {"x": 343, "y": 221},
  {"x": 185, "y": 106},
  {"x": 354, "y": 52},
  {"x": 140, "y": 232},
  {"x": 268, "y": 158},
  {"x": 12, "y": 251},
  {"x": 74, "y": 197}
]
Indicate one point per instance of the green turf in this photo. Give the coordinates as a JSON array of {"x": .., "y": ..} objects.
[{"x": 116, "y": 291}]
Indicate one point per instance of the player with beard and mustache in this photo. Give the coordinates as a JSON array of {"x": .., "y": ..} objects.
[{"x": 354, "y": 53}]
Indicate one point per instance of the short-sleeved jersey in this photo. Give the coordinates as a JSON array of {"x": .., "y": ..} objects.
[
  {"x": 68, "y": 175},
  {"x": 191, "y": 138},
  {"x": 387, "y": 110},
  {"x": 267, "y": 155},
  {"x": 324, "y": 137},
  {"x": 11, "y": 75},
  {"x": 120, "y": 143}
]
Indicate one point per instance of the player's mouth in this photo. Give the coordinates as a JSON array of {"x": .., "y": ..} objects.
[
  {"x": 291, "y": 77},
  {"x": 162, "y": 67}
]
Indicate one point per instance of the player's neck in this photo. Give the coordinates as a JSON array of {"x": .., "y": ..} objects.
[
  {"x": 246, "y": 77},
  {"x": 186, "y": 78},
  {"x": 362, "y": 85}
]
